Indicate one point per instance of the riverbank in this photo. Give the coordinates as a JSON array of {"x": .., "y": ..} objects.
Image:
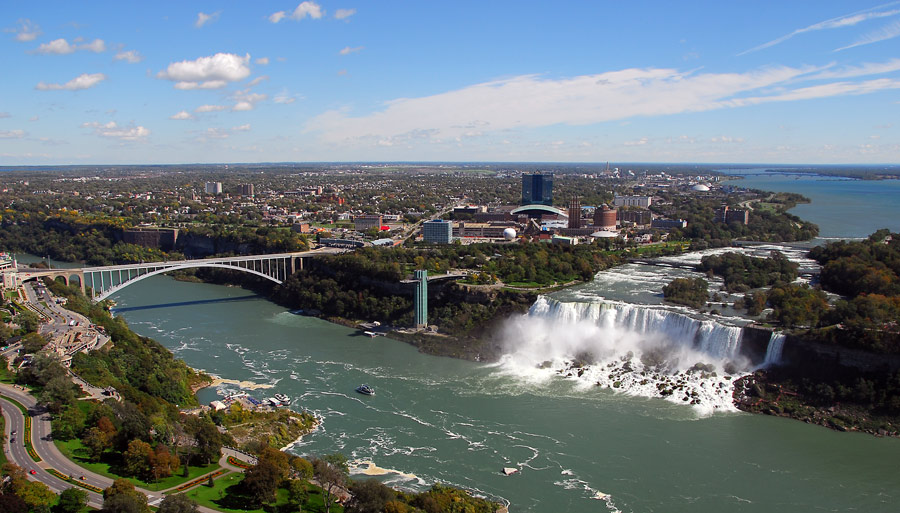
[{"x": 765, "y": 393}]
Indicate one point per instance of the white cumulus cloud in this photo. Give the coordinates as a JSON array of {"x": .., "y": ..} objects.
[
  {"x": 12, "y": 134},
  {"x": 264, "y": 61},
  {"x": 83, "y": 81},
  {"x": 5, "y": 115},
  {"x": 343, "y": 14},
  {"x": 284, "y": 98},
  {"x": 56, "y": 47},
  {"x": 131, "y": 56},
  {"x": 348, "y": 50},
  {"x": 96, "y": 46},
  {"x": 114, "y": 131},
  {"x": 242, "y": 128},
  {"x": 257, "y": 80},
  {"x": 211, "y": 72},
  {"x": 203, "y": 18},
  {"x": 209, "y": 108},
  {"x": 63, "y": 47},
  {"x": 216, "y": 133},
  {"x": 26, "y": 31},
  {"x": 245, "y": 100},
  {"x": 182, "y": 115},
  {"x": 303, "y": 10},
  {"x": 209, "y": 84}
]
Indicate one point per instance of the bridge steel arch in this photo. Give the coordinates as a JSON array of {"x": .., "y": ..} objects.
[
  {"x": 107, "y": 280},
  {"x": 106, "y": 292}
]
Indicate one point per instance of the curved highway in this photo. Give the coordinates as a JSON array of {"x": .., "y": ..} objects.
[
  {"x": 16, "y": 453},
  {"x": 49, "y": 454}
]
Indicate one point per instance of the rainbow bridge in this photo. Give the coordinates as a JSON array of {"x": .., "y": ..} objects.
[{"x": 105, "y": 281}]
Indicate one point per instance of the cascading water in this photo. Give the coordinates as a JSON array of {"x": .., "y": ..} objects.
[
  {"x": 774, "y": 349},
  {"x": 635, "y": 349}
]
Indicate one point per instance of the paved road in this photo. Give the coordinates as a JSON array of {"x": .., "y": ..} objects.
[
  {"x": 16, "y": 453},
  {"x": 50, "y": 455}
]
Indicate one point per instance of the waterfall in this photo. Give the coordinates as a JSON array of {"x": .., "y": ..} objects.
[
  {"x": 707, "y": 336},
  {"x": 774, "y": 349},
  {"x": 633, "y": 349}
]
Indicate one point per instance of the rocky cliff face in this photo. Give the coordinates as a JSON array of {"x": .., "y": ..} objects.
[{"x": 201, "y": 246}]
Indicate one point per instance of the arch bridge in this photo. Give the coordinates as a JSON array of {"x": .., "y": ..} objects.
[{"x": 105, "y": 281}]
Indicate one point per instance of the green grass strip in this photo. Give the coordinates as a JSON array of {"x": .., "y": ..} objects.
[{"x": 28, "y": 447}]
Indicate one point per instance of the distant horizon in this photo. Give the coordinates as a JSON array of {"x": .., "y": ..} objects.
[
  {"x": 502, "y": 81},
  {"x": 613, "y": 164}
]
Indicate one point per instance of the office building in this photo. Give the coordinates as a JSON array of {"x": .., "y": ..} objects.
[
  {"x": 732, "y": 215},
  {"x": 633, "y": 201},
  {"x": 437, "y": 231},
  {"x": 365, "y": 222},
  {"x": 537, "y": 189},
  {"x": 574, "y": 212},
  {"x": 668, "y": 224}
]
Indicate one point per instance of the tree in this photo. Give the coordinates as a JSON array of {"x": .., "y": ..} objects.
[
  {"x": 5, "y": 333},
  {"x": 28, "y": 321},
  {"x": 298, "y": 492},
  {"x": 72, "y": 500},
  {"x": 69, "y": 424},
  {"x": 126, "y": 504},
  {"x": 137, "y": 458},
  {"x": 369, "y": 496},
  {"x": 278, "y": 459},
  {"x": 177, "y": 503},
  {"x": 37, "y": 495},
  {"x": 209, "y": 441},
  {"x": 302, "y": 466},
  {"x": 261, "y": 481},
  {"x": 121, "y": 497},
  {"x": 58, "y": 393},
  {"x": 332, "y": 473},
  {"x": 96, "y": 442}
]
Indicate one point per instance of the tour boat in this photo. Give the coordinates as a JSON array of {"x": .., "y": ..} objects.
[
  {"x": 365, "y": 389},
  {"x": 283, "y": 399}
]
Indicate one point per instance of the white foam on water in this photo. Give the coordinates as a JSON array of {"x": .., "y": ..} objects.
[{"x": 631, "y": 349}]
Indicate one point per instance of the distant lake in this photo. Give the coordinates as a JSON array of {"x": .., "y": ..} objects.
[{"x": 842, "y": 207}]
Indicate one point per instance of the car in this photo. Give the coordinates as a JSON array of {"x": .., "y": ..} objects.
[{"x": 32, "y": 472}]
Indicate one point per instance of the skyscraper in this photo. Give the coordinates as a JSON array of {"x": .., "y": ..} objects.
[
  {"x": 537, "y": 189},
  {"x": 574, "y": 212}
]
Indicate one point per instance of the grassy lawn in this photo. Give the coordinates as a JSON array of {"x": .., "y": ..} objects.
[
  {"x": 527, "y": 284},
  {"x": 7, "y": 376},
  {"x": 226, "y": 496},
  {"x": 75, "y": 451}
]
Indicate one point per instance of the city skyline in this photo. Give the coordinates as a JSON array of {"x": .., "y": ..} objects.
[{"x": 105, "y": 83}]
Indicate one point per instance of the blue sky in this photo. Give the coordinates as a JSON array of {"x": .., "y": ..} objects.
[{"x": 657, "y": 81}]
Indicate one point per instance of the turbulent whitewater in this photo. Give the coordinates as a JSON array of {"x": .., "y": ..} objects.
[{"x": 638, "y": 350}]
